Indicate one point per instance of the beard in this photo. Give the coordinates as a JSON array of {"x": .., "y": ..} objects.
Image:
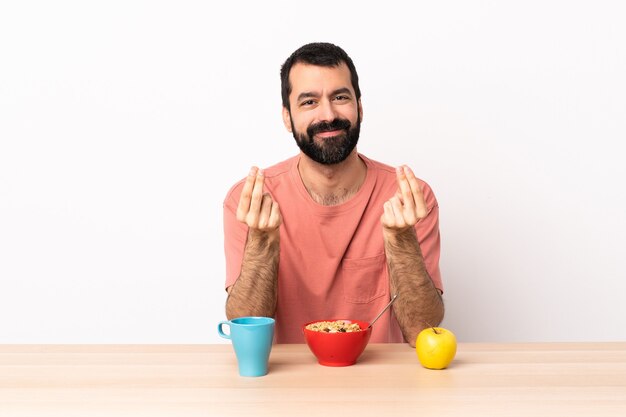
[{"x": 329, "y": 150}]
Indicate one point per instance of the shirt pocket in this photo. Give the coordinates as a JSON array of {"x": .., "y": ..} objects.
[{"x": 364, "y": 279}]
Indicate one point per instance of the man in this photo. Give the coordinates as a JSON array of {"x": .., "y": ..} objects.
[{"x": 331, "y": 233}]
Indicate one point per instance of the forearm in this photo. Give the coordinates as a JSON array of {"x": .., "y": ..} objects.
[
  {"x": 255, "y": 291},
  {"x": 419, "y": 304}
]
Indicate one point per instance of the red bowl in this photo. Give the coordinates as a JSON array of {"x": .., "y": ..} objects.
[{"x": 337, "y": 349}]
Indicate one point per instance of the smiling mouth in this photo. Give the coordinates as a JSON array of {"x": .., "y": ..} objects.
[{"x": 329, "y": 133}]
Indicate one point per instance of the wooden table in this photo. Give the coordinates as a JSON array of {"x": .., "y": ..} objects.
[{"x": 562, "y": 379}]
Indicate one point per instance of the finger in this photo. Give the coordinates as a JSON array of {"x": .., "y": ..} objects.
[
  {"x": 388, "y": 219},
  {"x": 257, "y": 194},
  {"x": 275, "y": 216},
  {"x": 398, "y": 211},
  {"x": 266, "y": 209},
  {"x": 243, "y": 207},
  {"x": 418, "y": 194},
  {"x": 412, "y": 180},
  {"x": 405, "y": 188}
]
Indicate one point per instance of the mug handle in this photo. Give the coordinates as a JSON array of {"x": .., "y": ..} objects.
[{"x": 221, "y": 332}]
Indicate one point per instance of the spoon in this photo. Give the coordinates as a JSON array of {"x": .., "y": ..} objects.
[{"x": 384, "y": 309}]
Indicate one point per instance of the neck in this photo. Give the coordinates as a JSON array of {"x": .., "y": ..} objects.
[{"x": 331, "y": 185}]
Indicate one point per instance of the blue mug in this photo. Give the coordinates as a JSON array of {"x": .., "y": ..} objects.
[{"x": 252, "y": 339}]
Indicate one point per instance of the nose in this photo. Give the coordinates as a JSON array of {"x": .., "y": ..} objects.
[{"x": 326, "y": 111}]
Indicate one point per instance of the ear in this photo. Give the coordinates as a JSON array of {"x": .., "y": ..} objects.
[
  {"x": 287, "y": 119},
  {"x": 360, "y": 110}
]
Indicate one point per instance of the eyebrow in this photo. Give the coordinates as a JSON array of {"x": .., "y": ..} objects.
[
  {"x": 343, "y": 90},
  {"x": 307, "y": 94}
]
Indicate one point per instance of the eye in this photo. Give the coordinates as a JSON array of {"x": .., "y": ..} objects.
[
  {"x": 307, "y": 103},
  {"x": 342, "y": 98}
]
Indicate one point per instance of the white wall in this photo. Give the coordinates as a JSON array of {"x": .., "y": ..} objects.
[{"x": 123, "y": 124}]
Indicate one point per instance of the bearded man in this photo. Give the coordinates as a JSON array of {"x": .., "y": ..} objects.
[{"x": 330, "y": 233}]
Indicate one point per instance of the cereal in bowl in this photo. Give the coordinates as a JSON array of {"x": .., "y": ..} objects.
[{"x": 337, "y": 326}]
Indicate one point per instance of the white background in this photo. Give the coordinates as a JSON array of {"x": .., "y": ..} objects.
[{"x": 124, "y": 123}]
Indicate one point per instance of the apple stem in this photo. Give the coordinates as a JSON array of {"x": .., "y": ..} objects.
[{"x": 432, "y": 327}]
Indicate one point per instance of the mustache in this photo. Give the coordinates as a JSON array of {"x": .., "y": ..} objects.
[{"x": 335, "y": 124}]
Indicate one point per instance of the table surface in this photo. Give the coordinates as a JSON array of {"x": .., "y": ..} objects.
[{"x": 536, "y": 379}]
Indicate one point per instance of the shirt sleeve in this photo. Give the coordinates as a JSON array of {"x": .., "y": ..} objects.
[
  {"x": 235, "y": 235},
  {"x": 429, "y": 238}
]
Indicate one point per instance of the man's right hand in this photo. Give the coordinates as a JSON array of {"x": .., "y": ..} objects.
[
  {"x": 255, "y": 291},
  {"x": 257, "y": 209}
]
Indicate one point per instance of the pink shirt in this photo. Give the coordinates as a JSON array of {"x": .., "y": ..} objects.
[{"x": 332, "y": 259}]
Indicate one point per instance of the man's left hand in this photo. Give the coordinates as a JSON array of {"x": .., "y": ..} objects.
[{"x": 407, "y": 206}]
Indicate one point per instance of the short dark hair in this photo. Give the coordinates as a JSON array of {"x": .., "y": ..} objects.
[{"x": 320, "y": 54}]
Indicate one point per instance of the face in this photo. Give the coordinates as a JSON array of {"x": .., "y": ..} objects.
[{"x": 325, "y": 117}]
